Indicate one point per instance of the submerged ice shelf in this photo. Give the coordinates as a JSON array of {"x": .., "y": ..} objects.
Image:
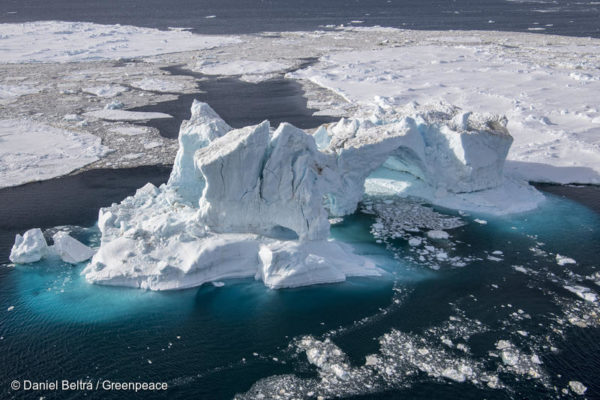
[{"x": 256, "y": 201}]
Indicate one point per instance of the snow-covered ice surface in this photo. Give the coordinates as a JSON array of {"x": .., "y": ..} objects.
[
  {"x": 31, "y": 151},
  {"x": 45, "y": 41},
  {"x": 241, "y": 67},
  {"x": 11, "y": 92},
  {"x": 106, "y": 90},
  {"x": 159, "y": 85},
  {"x": 545, "y": 85},
  {"x": 122, "y": 115}
]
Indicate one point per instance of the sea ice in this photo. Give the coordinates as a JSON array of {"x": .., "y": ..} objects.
[
  {"x": 30, "y": 151},
  {"x": 577, "y": 387},
  {"x": 563, "y": 260},
  {"x": 436, "y": 234},
  {"x": 243, "y": 67},
  {"x": 549, "y": 106},
  {"x": 123, "y": 115},
  {"x": 57, "y": 41},
  {"x": 583, "y": 292},
  {"x": 106, "y": 91},
  {"x": 159, "y": 85}
]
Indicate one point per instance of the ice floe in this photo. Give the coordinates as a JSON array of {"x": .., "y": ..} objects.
[
  {"x": 242, "y": 67},
  {"x": 577, "y": 387},
  {"x": 31, "y": 151},
  {"x": 551, "y": 111},
  {"x": 123, "y": 115},
  {"x": 55, "y": 41}
]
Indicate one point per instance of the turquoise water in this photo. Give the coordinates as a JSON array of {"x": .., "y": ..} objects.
[{"x": 216, "y": 342}]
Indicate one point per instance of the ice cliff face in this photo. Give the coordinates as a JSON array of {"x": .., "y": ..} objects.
[
  {"x": 251, "y": 202},
  {"x": 203, "y": 127}
]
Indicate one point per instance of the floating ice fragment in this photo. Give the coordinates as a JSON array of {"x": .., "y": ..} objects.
[
  {"x": 583, "y": 292},
  {"x": 414, "y": 241},
  {"x": 437, "y": 234},
  {"x": 563, "y": 260},
  {"x": 577, "y": 387},
  {"x": 114, "y": 105},
  {"x": 29, "y": 248}
]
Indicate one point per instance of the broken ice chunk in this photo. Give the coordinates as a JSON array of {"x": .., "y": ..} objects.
[{"x": 29, "y": 248}]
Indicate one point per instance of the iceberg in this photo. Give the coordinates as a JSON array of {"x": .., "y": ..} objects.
[{"x": 256, "y": 201}]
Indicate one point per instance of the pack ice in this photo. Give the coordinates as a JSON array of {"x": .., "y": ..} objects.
[{"x": 255, "y": 201}]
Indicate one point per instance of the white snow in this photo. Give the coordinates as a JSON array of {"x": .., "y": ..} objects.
[
  {"x": 241, "y": 67},
  {"x": 436, "y": 234},
  {"x": 11, "y": 92},
  {"x": 129, "y": 130},
  {"x": 550, "y": 110},
  {"x": 30, "y": 151},
  {"x": 583, "y": 292},
  {"x": 56, "y": 41},
  {"x": 563, "y": 260},
  {"x": 122, "y": 115},
  {"x": 159, "y": 85},
  {"x": 106, "y": 91}
]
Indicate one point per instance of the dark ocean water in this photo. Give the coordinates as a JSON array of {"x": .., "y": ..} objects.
[
  {"x": 563, "y": 17},
  {"x": 213, "y": 342}
]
